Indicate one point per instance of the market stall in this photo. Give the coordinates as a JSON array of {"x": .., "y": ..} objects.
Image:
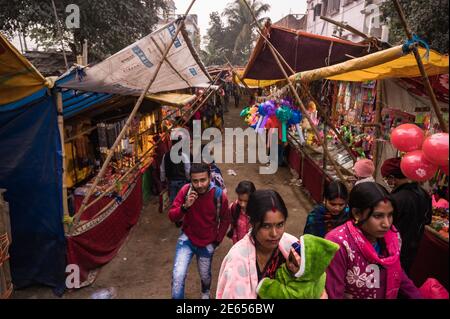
[
  {"x": 29, "y": 138},
  {"x": 132, "y": 173},
  {"x": 83, "y": 111}
]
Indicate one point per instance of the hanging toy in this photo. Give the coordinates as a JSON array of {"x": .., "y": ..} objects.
[
  {"x": 284, "y": 114},
  {"x": 270, "y": 109},
  {"x": 296, "y": 119},
  {"x": 245, "y": 112},
  {"x": 262, "y": 114},
  {"x": 252, "y": 118}
]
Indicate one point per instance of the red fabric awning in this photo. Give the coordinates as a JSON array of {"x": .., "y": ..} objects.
[{"x": 302, "y": 51}]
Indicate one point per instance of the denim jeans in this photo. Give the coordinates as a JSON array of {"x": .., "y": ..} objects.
[
  {"x": 174, "y": 188},
  {"x": 184, "y": 252}
]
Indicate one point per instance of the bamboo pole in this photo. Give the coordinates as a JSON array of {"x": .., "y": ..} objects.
[
  {"x": 181, "y": 121},
  {"x": 351, "y": 29},
  {"x": 319, "y": 107},
  {"x": 170, "y": 64},
  {"x": 426, "y": 80},
  {"x": 59, "y": 105},
  {"x": 130, "y": 118},
  {"x": 238, "y": 76},
  {"x": 378, "y": 109},
  {"x": 60, "y": 34},
  {"x": 139, "y": 161},
  {"x": 299, "y": 101},
  {"x": 356, "y": 64},
  {"x": 89, "y": 130}
]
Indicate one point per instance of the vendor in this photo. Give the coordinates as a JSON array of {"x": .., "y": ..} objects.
[
  {"x": 413, "y": 206},
  {"x": 364, "y": 169},
  {"x": 439, "y": 200}
]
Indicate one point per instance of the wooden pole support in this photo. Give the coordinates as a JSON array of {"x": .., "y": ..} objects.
[
  {"x": 425, "y": 79},
  {"x": 130, "y": 118},
  {"x": 299, "y": 101}
]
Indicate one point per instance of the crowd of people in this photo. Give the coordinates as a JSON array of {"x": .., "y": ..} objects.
[
  {"x": 357, "y": 244},
  {"x": 360, "y": 243}
]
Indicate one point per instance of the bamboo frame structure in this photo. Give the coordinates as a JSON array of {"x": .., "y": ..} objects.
[
  {"x": 238, "y": 76},
  {"x": 59, "y": 105},
  {"x": 168, "y": 62},
  {"x": 319, "y": 107},
  {"x": 299, "y": 101},
  {"x": 425, "y": 79},
  {"x": 130, "y": 118},
  {"x": 139, "y": 161},
  {"x": 378, "y": 109}
]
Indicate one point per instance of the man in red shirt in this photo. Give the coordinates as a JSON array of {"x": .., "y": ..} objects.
[{"x": 204, "y": 210}]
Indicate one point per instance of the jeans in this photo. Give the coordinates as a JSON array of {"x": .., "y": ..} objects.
[
  {"x": 174, "y": 188},
  {"x": 184, "y": 252}
]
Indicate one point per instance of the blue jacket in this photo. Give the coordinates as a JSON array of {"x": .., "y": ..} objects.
[{"x": 315, "y": 222}]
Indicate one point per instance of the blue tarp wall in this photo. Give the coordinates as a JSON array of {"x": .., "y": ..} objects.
[{"x": 31, "y": 170}]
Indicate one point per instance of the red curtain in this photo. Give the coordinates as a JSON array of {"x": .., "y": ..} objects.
[{"x": 99, "y": 245}]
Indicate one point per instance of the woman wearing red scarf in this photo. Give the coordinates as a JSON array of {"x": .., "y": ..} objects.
[{"x": 367, "y": 266}]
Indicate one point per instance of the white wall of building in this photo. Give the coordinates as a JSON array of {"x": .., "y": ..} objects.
[{"x": 363, "y": 15}]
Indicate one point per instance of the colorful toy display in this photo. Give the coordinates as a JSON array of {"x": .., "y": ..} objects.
[{"x": 271, "y": 113}]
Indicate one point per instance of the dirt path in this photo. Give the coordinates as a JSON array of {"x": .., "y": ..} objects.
[{"x": 143, "y": 266}]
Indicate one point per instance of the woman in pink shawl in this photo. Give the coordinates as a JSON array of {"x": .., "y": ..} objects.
[
  {"x": 261, "y": 252},
  {"x": 367, "y": 266}
]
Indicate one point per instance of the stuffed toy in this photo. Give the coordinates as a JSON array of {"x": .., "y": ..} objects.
[{"x": 309, "y": 282}]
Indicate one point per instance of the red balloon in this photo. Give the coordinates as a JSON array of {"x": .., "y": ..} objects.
[
  {"x": 407, "y": 137},
  {"x": 416, "y": 167},
  {"x": 435, "y": 149},
  {"x": 444, "y": 169}
]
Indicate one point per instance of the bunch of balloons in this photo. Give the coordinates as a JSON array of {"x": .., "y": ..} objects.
[
  {"x": 266, "y": 115},
  {"x": 424, "y": 156},
  {"x": 268, "y": 110},
  {"x": 251, "y": 115}
]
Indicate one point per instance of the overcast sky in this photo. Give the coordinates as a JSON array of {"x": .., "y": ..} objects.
[{"x": 278, "y": 9}]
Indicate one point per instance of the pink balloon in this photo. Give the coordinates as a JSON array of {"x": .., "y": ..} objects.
[
  {"x": 416, "y": 167},
  {"x": 435, "y": 149},
  {"x": 407, "y": 137},
  {"x": 444, "y": 169}
]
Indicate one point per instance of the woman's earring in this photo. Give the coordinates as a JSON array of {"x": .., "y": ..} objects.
[{"x": 356, "y": 221}]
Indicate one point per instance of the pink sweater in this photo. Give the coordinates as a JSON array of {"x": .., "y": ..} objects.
[
  {"x": 351, "y": 276},
  {"x": 242, "y": 226}
]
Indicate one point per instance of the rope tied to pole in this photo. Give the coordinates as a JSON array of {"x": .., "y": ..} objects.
[{"x": 407, "y": 47}]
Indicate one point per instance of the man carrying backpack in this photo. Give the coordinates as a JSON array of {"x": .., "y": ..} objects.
[
  {"x": 204, "y": 210},
  {"x": 176, "y": 174}
]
